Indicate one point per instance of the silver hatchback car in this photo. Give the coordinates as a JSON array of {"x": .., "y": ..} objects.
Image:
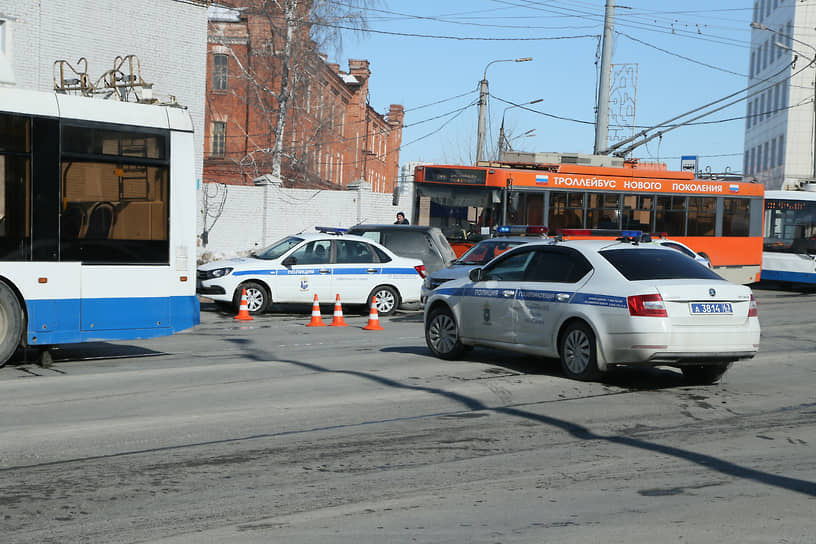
[{"x": 596, "y": 304}]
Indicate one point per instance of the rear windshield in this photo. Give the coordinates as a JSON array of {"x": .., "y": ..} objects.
[
  {"x": 656, "y": 264},
  {"x": 484, "y": 252}
]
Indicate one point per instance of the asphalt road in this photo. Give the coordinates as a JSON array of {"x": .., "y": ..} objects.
[{"x": 271, "y": 431}]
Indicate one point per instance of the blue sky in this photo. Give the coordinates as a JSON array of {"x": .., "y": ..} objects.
[{"x": 429, "y": 56}]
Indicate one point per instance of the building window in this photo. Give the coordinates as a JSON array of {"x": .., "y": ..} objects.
[
  {"x": 6, "y": 54},
  {"x": 780, "y": 155},
  {"x": 219, "y": 139},
  {"x": 748, "y": 117},
  {"x": 773, "y": 153},
  {"x": 765, "y": 156},
  {"x": 219, "y": 82}
]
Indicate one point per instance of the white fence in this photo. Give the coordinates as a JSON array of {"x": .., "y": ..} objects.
[{"x": 234, "y": 219}]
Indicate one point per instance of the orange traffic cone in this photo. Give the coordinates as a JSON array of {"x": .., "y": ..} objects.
[
  {"x": 243, "y": 309},
  {"x": 316, "y": 321},
  {"x": 373, "y": 318},
  {"x": 337, "y": 320}
]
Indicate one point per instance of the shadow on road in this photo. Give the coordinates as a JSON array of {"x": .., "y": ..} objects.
[{"x": 470, "y": 404}]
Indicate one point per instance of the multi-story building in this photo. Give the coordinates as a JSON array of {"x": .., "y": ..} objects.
[
  {"x": 166, "y": 37},
  {"x": 780, "y": 126},
  {"x": 331, "y": 137}
]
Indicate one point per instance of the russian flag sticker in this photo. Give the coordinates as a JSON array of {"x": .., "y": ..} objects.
[
  {"x": 542, "y": 180},
  {"x": 734, "y": 188}
]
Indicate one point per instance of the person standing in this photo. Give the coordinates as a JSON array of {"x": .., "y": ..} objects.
[{"x": 401, "y": 219}]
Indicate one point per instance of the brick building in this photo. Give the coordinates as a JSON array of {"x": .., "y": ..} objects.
[{"x": 331, "y": 138}]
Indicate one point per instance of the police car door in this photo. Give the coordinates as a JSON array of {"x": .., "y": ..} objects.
[
  {"x": 550, "y": 282},
  {"x": 356, "y": 270},
  {"x": 310, "y": 274},
  {"x": 488, "y": 305}
]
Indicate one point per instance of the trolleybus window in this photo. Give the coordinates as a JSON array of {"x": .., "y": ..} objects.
[
  {"x": 15, "y": 195},
  {"x": 114, "y": 196}
]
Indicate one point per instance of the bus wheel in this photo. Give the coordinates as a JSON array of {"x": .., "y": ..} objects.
[
  {"x": 11, "y": 323},
  {"x": 257, "y": 297}
]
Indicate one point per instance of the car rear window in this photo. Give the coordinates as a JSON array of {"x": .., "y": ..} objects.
[{"x": 656, "y": 264}]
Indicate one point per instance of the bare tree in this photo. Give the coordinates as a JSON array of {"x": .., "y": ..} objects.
[{"x": 285, "y": 39}]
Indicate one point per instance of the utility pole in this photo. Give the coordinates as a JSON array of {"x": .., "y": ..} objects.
[
  {"x": 480, "y": 134},
  {"x": 602, "y": 119}
]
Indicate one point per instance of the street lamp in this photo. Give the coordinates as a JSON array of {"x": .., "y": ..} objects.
[
  {"x": 483, "y": 103},
  {"x": 502, "y": 139},
  {"x": 760, "y": 26}
]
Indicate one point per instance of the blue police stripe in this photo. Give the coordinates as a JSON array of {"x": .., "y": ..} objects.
[
  {"x": 256, "y": 273},
  {"x": 600, "y": 300},
  {"x": 541, "y": 296},
  {"x": 316, "y": 271},
  {"x": 536, "y": 295}
]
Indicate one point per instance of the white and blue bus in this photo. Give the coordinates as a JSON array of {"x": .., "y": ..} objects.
[
  {"x": 97, "y": 220},
  {"x": 789, "y": 251}
]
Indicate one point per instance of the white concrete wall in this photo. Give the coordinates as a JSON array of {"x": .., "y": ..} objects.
[
  {"x": 241, "y": 218},
  {"x": 168, "y": 36}
]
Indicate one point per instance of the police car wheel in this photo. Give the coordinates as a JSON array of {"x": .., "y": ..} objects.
[
  {"x": 442, "y": 334},
  {"x": 578, "y": 354},
  {"x": 387, "y": 300},
  {"x": 257, "y": 297}
]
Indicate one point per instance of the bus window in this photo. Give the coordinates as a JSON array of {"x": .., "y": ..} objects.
[
  {"x": 566, "y": 210},
  {"x": 702, "y": 213},
  {"x": 15, "y": 187},
  {"x": 735, "y": 217},
  {"x": 670, "y": 216},
  {"x": 602, "y": 211},
  {"x": 115, "y": 209},
  {"x": 534, "y": 209},
  {"x": 637, "y": 212}
]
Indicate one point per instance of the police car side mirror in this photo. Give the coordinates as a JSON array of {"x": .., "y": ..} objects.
[
  {"x": 289, "y": 261},
  {"x": 475, "y": 274}
]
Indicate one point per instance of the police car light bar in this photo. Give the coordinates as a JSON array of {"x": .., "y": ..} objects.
[
  {"x": 539, "y": 230},
  {"x": 601, "y": 232},
  {"x": 331, "y": 230}
]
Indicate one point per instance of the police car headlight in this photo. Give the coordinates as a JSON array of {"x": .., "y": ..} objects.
[
  {"x": 218, "y": 272},
  {"x": 427, "y": 283}
]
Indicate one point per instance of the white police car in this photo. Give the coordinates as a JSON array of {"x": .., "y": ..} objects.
[
  {"x": 508, "y": 236},
  {"x": 596, "y": 304},
  {"x": 682, "y": 248},
  {"x": 297, "y": 267}
]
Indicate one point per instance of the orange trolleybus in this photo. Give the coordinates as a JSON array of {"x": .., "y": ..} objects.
[{"x": 720, "y": 219}]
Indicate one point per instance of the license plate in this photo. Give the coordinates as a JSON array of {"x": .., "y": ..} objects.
[{"x": 711, "y": 308}]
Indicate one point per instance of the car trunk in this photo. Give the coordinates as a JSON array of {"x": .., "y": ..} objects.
[{"x": 700, "y": 303}]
